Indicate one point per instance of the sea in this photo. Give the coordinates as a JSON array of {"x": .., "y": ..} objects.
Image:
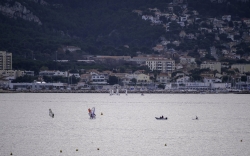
[{"x": 125, "y": 125}]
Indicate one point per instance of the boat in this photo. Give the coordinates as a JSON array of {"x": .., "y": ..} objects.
[
  {"x": 126, "y": 91},
  {"x": 161, "y": 118},
  {"x": 196, "y": 118},
  {"x": 51, "y": 114},
  {"x": 117, "y": 92},
  {"x": 92, "y": 113}
]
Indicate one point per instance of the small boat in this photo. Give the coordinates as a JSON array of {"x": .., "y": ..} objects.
[
  {"x": 196, "y": 118},
  {"x": 161, "y": 118}
]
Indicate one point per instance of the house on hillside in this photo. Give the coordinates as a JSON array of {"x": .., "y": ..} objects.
[
  {"x": 163, "y": 78},
  {"x": 226, "y": 17},
  {"x": 158, "y": 48},
  {"x": 143, "y": 78},
  {"x": 211, "y": 65},
  {"x": 187, "y": 60}
]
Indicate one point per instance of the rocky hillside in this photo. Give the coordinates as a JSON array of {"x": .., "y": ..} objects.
[{"x": 40, "y": 29}]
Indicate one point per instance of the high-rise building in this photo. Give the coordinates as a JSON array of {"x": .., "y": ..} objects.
[{"x": 5, "y": 60}]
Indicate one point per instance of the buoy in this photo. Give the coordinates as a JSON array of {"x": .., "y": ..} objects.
[
  {"x": 240, "y": 140},
  {"x": 76, "y": 149},
  {"x": 165, "y": 144},
  {"x": 10, "y": 153},
  {"x": 101, "y": 113},
  {"x": 60, "y": 151},
  {"x": 97, "y": 148}
]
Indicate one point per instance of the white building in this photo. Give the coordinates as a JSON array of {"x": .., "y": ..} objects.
[
  {"x": 98, "y": 78},
  {"x": 75, "y": 75},
  {"x": 35, "y": 85},
  {"x": 53, "y": 73},
  {"x": 211, "y": 65},
  {"x": 5, "y": 60},
  {"x": 243, "y": 68},
  {"x": 161, "y": 64},
  {"x": 187, "y": 60}
]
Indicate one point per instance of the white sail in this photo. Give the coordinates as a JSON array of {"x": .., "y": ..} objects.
[
  {"x": 93, "y": 111},
  {"x": 126, "y": 92}
]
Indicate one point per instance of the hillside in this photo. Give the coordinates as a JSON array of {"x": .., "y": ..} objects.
[{"x": 38, "y": 28}]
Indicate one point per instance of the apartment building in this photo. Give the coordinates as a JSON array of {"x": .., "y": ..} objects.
[
  {"x": 161, "y": 64},
  {"x": 243, "y": 68},
  {"x": 211, "y": 65},
  {"x": 5, "y": 60}
]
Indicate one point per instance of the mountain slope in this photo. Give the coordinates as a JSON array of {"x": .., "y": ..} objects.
[{"x": 38, "y": 28}]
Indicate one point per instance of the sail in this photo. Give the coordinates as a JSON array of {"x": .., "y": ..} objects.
[{"x": 93, "y": 110}]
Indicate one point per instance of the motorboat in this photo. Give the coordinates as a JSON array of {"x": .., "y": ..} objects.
[{"x": 160, "y": 118}]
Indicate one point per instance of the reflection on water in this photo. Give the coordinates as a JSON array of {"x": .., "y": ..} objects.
[{"x": 127, "y": 125}]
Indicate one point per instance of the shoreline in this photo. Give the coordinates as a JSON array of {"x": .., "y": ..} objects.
[{"x": 129, "y": 92}]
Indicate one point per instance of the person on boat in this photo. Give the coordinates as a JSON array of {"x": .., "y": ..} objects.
[
  {"x": 90, "y": 113},
  {"x": 166, "y": 118},
  {"x": 196, "y": 118}
]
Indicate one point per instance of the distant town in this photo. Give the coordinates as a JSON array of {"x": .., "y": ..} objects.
[
  {"x": 178, "y": 64},
  {"x": 163, "y": 75}
]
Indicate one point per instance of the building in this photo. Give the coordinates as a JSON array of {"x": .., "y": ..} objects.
[
  {"x": 98, "y": 78},
  {"x": 11, "y": 74},
  {"x": 142, "y": 78},
  {"x": 163, "y": 77},
  {"x": 187, "y": 60},
  {"x": 29, "y": 73},
  {"x": 5, "y": 60},
  {"x": 243, "y": 68},
  {"x": 53, "y": 73},
  {"x": 161, "y": 64},
  {"x": 211, "y": 66}
]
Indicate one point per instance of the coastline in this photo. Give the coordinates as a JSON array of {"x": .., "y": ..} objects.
[{"x": 129, "y": 92}]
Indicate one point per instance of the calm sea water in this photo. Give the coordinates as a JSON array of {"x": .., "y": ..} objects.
[{"x": 127, "y": 126}]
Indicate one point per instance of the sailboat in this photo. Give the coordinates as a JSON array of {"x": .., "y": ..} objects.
[
  {"x": 126, "y": 91},
  {"x": 92, "y": 113},
  {"x": 117, "y": 92}
]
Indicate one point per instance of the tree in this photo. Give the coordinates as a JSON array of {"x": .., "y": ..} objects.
[
  {"x": 161, "y": 86},
  {"x": 113, "y": 80},
  {"x": 133, "y": 80}
]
